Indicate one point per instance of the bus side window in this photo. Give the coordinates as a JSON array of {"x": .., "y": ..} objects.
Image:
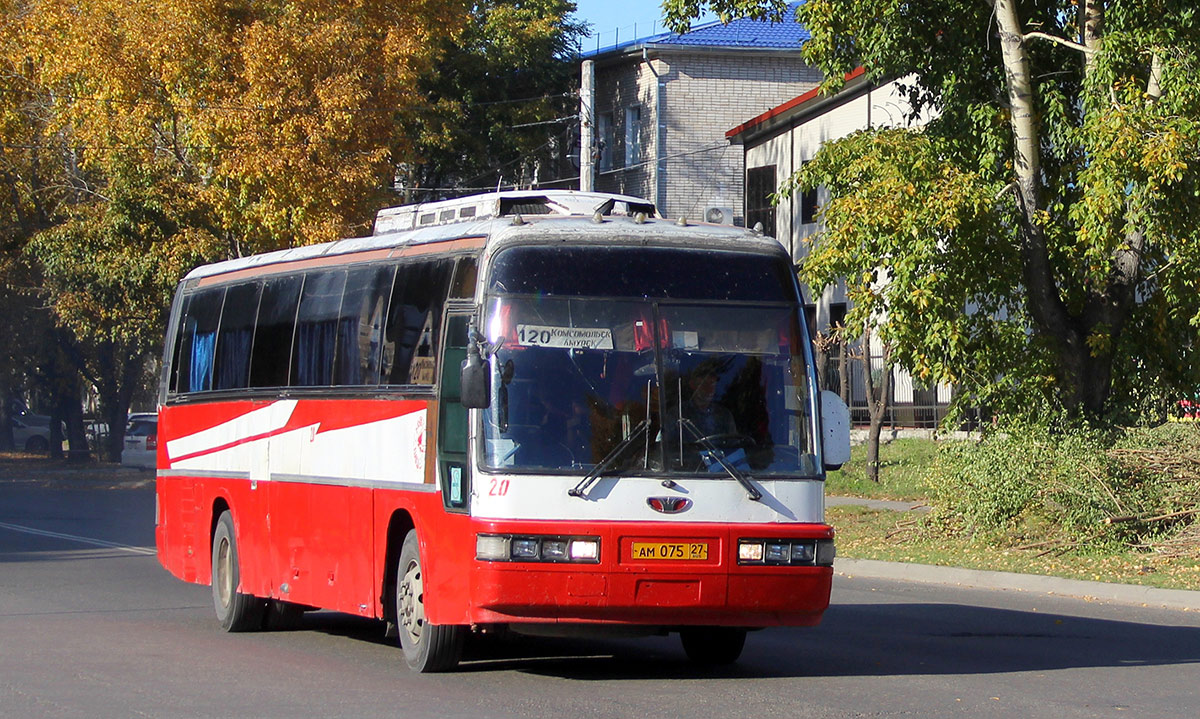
[
  {"x": 466, "y": 271},
  {"x": 364, "y": 308},
  {"x": 180, "y": 359},
  {"x": 232, "y": 367},
  {"x": 414, "y": 320},
  {"x": 318, "y": 329},
  {"x": 197, "y": 350},
  {"x": 273, "y": 332}
]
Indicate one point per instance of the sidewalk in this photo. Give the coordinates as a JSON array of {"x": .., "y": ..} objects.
[
  {"x": 1133, "y": 594},
  {"x": 981, "y": 579}
]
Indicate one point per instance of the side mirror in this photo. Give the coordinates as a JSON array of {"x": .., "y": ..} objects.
[
  {"x": 835, "y": 430},
  {"x": 476, "y": 380}
]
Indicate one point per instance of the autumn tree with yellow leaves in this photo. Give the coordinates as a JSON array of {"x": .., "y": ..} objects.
[{"x": 140, "y": 139}]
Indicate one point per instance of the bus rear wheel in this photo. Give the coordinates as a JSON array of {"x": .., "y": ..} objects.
[
  {"x": 237, "y": 612},
  {"x": 427, "y": 647},
  {"x": 713, "y": 646}
]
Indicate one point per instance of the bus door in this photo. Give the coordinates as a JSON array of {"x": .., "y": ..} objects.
[{"x": 452, "y": 448}]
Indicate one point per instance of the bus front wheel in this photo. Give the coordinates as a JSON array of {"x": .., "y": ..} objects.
[
  {"x": 237, "y": 612},
  {"x": 713, "y": 645},
  {"x": 427, "y": 647}
]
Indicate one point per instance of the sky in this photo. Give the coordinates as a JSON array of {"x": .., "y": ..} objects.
[{"x": 616, "y": 21}]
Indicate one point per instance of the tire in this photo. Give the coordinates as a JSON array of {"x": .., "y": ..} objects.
[
  {"x": 427, "y": 647},
  {"x": 713, "y": 646},
  {"x": 237, "y": 612},
  {"x": 37, "y": 445}
]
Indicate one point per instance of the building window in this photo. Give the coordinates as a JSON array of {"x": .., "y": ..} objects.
[
  {"x": 760, "y": 185},
  {"x": 808, "y": 205},
  {"x": 604, "y": 142},
  {"x": 633, "y": 135}
]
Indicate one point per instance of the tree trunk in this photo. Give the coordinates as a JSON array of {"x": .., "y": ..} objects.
[
  {"x": 118, "y": 372},
  {"x": 6, "y": 429},
  {"x": 1085, "y": 376},
  {"x": 843, "y": 371},
  {"x": 878, "y": 396}
]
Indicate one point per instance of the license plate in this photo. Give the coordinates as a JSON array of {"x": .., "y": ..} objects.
[{"x": 683, "y": 551}]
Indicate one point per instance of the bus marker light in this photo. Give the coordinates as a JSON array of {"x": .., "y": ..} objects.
[
  {"x": 802, "y": 553},
  {"x": 554, "y": 549},
  {"x": 777, "y": 553},
  {"x": 825, "y": 553},
  {"x": 525, "y": 548},
  {"x": 489, "y": 546}
]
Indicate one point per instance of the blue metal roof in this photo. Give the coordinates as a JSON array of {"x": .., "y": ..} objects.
[{"x": 741, "y": 33}]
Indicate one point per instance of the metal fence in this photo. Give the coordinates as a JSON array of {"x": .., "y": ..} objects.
[{"x": 910, "y": 404}]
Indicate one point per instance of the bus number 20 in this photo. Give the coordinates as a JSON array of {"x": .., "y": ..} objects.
[{"x": 498, "y": 488}]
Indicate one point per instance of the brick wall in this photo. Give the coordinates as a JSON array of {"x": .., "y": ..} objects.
[{"x": 688, "y": 163}]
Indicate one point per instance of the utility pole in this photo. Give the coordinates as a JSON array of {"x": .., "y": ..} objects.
[{"x": 587, "y": 102}]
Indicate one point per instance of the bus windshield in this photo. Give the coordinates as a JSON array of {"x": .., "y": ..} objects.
[{"x": 684, "y": 385}]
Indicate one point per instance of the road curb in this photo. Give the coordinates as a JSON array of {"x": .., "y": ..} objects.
[{"x": 1181, "y": 599}]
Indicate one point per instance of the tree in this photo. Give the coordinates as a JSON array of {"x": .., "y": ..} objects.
[
  {"x": 1041, "y": 235},
  {"x": 877, "y": 383},
  {"x": 504, "y": 110}
]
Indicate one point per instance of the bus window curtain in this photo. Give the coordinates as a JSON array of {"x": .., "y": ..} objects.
[
  {"x": 233, "y": 360},
  {"x": 200, "y": 378},
  {"x": 316, "y": 342},
  {"x": 349, "y": 367}
]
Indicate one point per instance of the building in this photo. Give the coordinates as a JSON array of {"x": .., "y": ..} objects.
[
  {"x": 775, "y": 144},
  {"x": 659, "y": 107}
]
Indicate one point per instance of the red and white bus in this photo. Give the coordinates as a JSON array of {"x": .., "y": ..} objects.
[{"x": 535, "y": 411}]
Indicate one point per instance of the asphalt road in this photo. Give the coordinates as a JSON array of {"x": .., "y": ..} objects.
[{"x": 91, "y": 626}]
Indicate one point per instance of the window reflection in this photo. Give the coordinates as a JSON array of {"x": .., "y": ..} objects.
[{"x": 572, "y": 378}]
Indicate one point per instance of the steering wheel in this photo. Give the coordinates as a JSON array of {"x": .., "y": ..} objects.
[{"x": 724, "y": 440}]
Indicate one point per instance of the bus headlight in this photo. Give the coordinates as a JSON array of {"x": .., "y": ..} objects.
[
  {"x": 793, "y": 552},
  {"x": 585, "y": 550},
  {"x": 526, "y": 548},
  {"x": 750, "y": 552}
]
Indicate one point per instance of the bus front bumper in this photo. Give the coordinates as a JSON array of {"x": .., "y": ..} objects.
[{"x": 659, "y": 576}]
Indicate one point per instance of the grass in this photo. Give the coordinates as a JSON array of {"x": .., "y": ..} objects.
[
  {"x": 897, "y": 537},
  {"x": 909, "y": 537},
  {"x": 903, "y": 463}
]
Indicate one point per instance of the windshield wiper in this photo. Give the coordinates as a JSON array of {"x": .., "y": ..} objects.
[
  {"x": 609, "y": 459},
  {"x": 718, "y": 455}
]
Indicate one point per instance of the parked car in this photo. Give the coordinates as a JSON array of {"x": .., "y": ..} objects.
[
  {"x": 141, "y": 441},
  {"x": 31, "y": 436}
]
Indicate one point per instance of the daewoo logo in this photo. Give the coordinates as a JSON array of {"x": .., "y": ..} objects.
[{"x": 669, "y": 505}]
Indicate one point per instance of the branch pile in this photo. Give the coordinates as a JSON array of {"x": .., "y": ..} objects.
[{"x": 1175, "y": 469}]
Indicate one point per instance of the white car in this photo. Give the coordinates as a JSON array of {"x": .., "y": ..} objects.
[
  {"x": 141, "y": 441},
  {"x": 31, "y": 436}
]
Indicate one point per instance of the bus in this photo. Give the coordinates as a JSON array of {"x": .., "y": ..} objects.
[{"x": 527, "y": 412}]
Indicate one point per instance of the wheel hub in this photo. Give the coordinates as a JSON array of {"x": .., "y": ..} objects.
[
  {"x": 412, "y": 604},
  {"x": 224, "y": 579}
]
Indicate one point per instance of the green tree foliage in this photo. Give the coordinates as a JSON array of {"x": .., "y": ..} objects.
[
  {"x": 1041, "y": 235},
  {"x": 503, "y": 107}
]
